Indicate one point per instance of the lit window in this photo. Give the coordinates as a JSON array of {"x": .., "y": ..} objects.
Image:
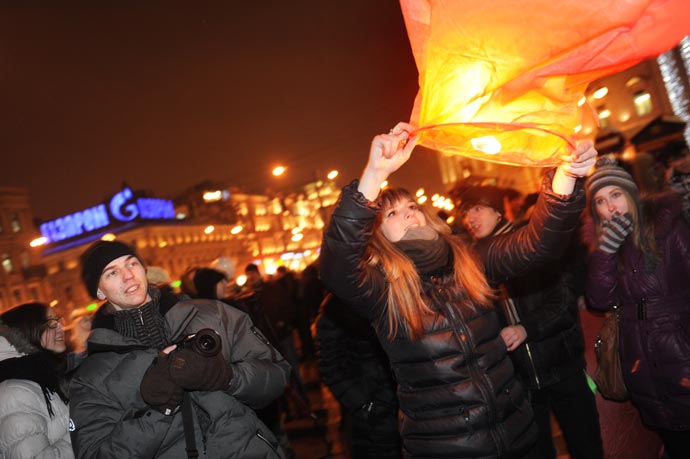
[
  {"x": 16, "y": 226},
  {"x": 604, "y": 115},
  {"x": 7, "y": 263},
  {"x": 643, "y": 103}
]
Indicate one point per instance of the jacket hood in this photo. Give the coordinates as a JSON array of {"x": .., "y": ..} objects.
[
  {"x": 17, "y": 339},
  {"x": 667, "y": 208}
]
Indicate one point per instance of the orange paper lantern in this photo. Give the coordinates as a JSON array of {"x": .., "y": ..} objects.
[{"x": 500, "y": 80}]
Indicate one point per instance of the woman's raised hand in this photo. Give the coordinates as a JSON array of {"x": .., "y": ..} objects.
[
  {"x": 574, "y": 166},
  {"x": 387, "y": 153}
]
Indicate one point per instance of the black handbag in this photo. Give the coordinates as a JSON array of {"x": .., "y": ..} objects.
[{"x": 609, "y": 374}]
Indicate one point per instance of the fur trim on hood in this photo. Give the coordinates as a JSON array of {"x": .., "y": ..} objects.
[{"x": 17, "y": 339}]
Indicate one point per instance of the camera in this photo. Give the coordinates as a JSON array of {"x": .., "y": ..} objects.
[{"x": 206, "y": 342}]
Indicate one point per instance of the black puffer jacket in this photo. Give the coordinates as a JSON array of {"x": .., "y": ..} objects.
[
  {"x": 456, "y": 389},
  {"x": 544, "y": 302}
]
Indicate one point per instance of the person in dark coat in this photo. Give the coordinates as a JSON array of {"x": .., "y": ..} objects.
[
  {"x": 142, "y": 393},
  {"x": 356, "y": 370},
  {"x": 640, "y": 261},
  {"x": 541, "y": 329},
  {"x": 211, "y": 284},
  {"x": 427, "y": 295}
]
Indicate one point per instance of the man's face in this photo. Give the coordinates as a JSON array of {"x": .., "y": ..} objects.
[
  {"x": 123, "y": 283},
  {"x": 480, "y": 220},
  {"x": 253, "y": 278}
]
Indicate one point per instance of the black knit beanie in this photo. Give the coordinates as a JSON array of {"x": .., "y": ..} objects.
[
  {"x": 608, "y": 172},
  {"x": 205, "y": 281},
  {"x": 488, "y": 196},
  {"x": 96, "y": 258}
]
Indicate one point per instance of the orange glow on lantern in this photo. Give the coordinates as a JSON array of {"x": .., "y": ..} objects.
[{"x": 500, "y": 80}]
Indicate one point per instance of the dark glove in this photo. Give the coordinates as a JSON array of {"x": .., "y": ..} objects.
[
  {"x": 157, "y": 387},
  {"x": 614, "y": 232},
  {"x": 194, "y": 371}
]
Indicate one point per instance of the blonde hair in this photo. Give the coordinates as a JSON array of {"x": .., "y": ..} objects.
[{"x": 406, "y": 305}]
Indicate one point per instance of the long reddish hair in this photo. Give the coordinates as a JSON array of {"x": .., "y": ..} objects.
[{"x": 406, "y": 305}]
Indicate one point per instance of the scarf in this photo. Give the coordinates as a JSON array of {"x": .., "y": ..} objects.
[
  {"x": 428, "y": 251},
  {"x": 145, "y": 324},
  {"x": 42, "y": 367}
]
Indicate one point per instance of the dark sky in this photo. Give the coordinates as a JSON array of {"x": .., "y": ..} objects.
[{"x": 164, "y": 95}]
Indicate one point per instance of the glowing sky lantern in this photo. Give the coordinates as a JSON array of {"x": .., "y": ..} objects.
[{"x": 500, "y": 80}]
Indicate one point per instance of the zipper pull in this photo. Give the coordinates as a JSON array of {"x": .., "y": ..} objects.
[{"x": 141, "y": 316}]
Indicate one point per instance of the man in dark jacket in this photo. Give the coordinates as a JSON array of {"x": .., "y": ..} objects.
[
  {"x": 138, "y": 395},
  {"x": 354, "y": 367},
  {"x": 542, "y": 332}
]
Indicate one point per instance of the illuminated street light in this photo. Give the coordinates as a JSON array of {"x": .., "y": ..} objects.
[
  {"x": 278, "y": 171},
  {"x": 297, "y": 237},
  {"x": 213, "y": 196},
  {"x": 108, "y": 237},
  {"x": 384, "y": 184},
  {"x": 209, "y": 229},
  {"x": 332, "y": 174},
  {"x": 236, "y": 229},
  {"x": 600, "y": 93},
  {"x": 39, "y": 241}
]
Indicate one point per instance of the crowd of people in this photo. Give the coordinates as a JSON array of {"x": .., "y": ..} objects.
[{"x": 437, "y": 340}]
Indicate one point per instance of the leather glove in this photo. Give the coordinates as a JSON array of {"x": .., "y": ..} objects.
[
  {"x": 157, "y": 387},
  {"x": 614, "y": 232},
  {"x": 194, "y": 371}
]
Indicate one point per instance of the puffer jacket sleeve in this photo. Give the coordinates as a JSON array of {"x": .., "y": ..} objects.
[
  {"x": 260, "y": 373},
  {"x": 601, "y": 283},
  {"x": 24, "y": 423},
  {"x": 102, "y": 428},
  {"x": 343, "y": 251},
  {"x": 543, "y": 239}
]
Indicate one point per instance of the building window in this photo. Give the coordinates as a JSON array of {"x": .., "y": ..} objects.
[
  {"x": 17, "y": 295},
  {"x": 7, "y": 263},
  {"x": 69, "y": 293},
  {"x": 33, "y": 291},
  {"x": 25, "y": 260},
  {"x": 2, "y": 301},
  {"x": 604, "y": 117},
  {"x": 643, "y": 103},
  {"x": 14, "y": 222}
]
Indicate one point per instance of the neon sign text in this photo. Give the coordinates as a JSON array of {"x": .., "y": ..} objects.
[{"x": 121, "y": 208}]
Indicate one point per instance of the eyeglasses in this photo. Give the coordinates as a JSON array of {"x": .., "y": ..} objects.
[{"x": 53, "y": 322}]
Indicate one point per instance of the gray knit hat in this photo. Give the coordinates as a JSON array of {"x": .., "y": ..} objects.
[{"x": 608, "y": 172}]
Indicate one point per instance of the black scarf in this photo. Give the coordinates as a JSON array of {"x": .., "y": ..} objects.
[
  {"x": 146, "y": 323},
  {"x": 428, "y": 251},
  {"x": 43, "y": 367}
]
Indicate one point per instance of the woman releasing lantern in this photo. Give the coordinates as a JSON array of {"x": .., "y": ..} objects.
[{"x": 427, "y": 295}]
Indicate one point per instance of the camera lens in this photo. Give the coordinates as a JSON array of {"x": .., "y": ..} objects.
[{"x": 206, "y": 343}]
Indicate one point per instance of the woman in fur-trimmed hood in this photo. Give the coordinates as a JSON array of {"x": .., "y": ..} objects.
[{"x": 34, "y": 418}]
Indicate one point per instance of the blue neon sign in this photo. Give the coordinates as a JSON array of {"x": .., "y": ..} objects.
[{"x": 122, "y": 207}]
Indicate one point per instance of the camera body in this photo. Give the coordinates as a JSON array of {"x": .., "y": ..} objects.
[{"x": 206, "y": 342}]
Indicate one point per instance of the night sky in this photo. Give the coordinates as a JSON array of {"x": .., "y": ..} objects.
[{"x": 164, "y": 95}]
